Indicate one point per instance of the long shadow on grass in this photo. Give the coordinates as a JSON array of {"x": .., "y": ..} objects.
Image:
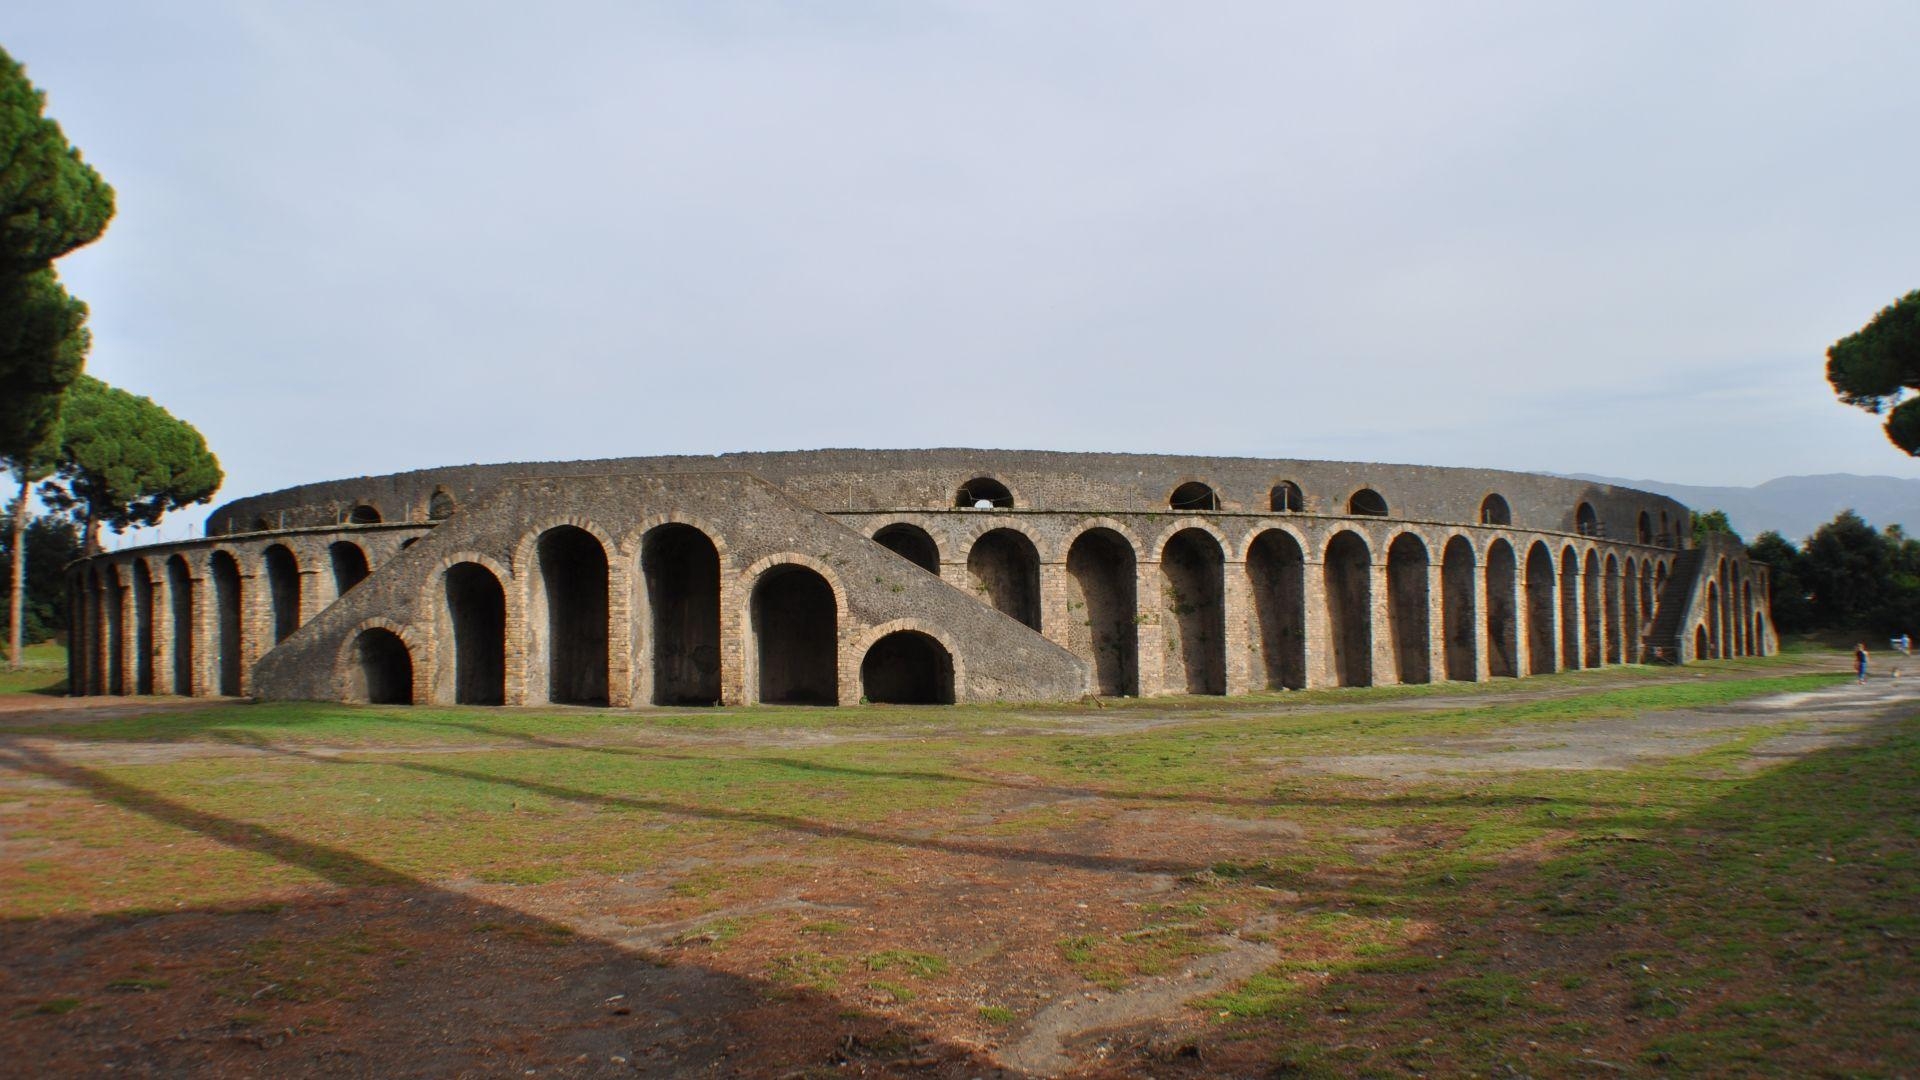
[
  {"x": 403, "y": 978},
  {"x": 1070, "y": 791}
]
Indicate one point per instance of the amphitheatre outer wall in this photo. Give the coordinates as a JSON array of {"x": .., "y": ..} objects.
[{"x": 836, "y": 576}]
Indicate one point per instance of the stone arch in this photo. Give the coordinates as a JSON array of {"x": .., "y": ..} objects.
[
  {"x": 984, "y": 489},
  {"x": 1570, "y": 621},
  {"x": 1348, "y": 569},
  {"x": 283, "y": 590},
  {"x": 1286, "y": 498},
  {"x": 1194, "y": 496},
  {"x": 441, "y": 504},
  {"x": 1495, "y": 511},
  {"x": 1458, "y": 617},
  {"x": 1102, "y": 605},
  {"x": 180, "y": 600},
  {"x": 474, "y": 620},
  {"x": 795, "y": 618},
  {"x": 364, "y": 513},
  {"x": 1003, "y": 566},
  {"x": 1367, "y": 502},
  {"x": 143, "y": 618},
  {"x": 1643, "y": 529},
  {"x": 1586, "y": 521},
  {"x": 1408, "y": 604},
  {"x": 379, "y": 665},
  {"x": 224, "y": 568},
  {"x": 1591, "y": 605},
  {"x": 681, "y": 566},
  {"x": 912, "y": 543},
  {"x": 568, "y": 615},
  {"x": 1193, "y": 618},
  {"x": 907, "y": 667},
  {"x": 1277, "y": 573},
  {"x": 349, "y": 563},
  {"x": 1503, "y": 616},
  {"x": 1540, "y": 601},
  {"x": 1701, "y": 646}
]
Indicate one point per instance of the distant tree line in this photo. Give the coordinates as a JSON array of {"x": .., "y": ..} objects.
[{"x": 1847, "y": 577}]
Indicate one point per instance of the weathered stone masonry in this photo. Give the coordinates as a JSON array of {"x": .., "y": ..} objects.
[{"x": 836, "y": 576}]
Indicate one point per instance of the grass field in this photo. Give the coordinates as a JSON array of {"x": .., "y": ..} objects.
[
  {"x": 45, "y": 671},
  {"x": 1344, "y": 883}
]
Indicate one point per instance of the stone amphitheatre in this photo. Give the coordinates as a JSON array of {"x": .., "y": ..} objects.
[{"x": 926, "y": 576}]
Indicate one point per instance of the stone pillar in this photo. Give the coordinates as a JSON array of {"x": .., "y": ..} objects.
[
  {"x": 620, "y": 632},
  {"x": 1320, "y": 673},
  {"x": 256, "y": 624},
  {"x": 1380, "y": 615},
  {"x": 514, "y": 688},
  {"x": 1151, "y": 639},
  {"x": 1436, "y": 621},
  {"x": 160, "y": 616},
  {"x": 1482, "y": 609},
  {"x": 1236, "y": 599},
  {"x": 314, "y": 585},
  {"x": 1056, "y": 622},
  {"x": 206, "y": 631}
]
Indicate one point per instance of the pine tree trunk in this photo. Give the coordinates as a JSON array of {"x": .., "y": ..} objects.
[{"x": 17, "y": 596}]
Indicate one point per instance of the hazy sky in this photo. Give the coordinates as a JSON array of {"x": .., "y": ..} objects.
[{"x": 1610, "y": 237}]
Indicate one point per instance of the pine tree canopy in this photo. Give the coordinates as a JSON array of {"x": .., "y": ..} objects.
[
  {"x": 50, "y": 200},
  {"x": 125, "y": 461},
  {"x": 43, "y": 345},
  {"x": 1875, "y": 366}
]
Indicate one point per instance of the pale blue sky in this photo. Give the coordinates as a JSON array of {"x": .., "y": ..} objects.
[{"x": 1611, "y": 238}]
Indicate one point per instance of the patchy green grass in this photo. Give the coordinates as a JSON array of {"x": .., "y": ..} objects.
[{"x": 45, "y": 671}]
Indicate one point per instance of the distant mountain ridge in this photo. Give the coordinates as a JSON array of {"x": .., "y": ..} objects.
[{"x": 1794, "y": 506}]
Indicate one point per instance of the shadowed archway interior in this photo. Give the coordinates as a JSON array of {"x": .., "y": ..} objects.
[
  {"x": 795, "y": 628},
  {"x": 907, "y": 667}
]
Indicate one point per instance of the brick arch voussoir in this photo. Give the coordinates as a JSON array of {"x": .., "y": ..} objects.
[
  {"x": 1262, "y": 528},
  {"x": 419, "y": 652},
  {"x": 981, "y": 529},
  {"x": 1182, "y": 524},
  {"x": 930, "y": 524},
  {"x": 529, "y": 542},
  {"x": 633, "y": 539}
]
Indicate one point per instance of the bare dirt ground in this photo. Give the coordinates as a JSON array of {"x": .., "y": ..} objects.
[{"x": 1035, "y": 929}]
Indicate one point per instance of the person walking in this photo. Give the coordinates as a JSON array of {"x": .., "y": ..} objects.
[{"x": 1860, "y": 662}]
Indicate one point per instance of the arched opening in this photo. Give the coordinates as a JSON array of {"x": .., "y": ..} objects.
[
  {"x": 1408, "y": 598},
  {"x": 113, "y": 601},
  {"x": 570, "y": 605},
  {"x": 1592, "y": 607},
  {"x": 907, "y": 668},
  {"x": 1457, "y": 616},
  {"x": 1004, "y": 569},
  {"x": 382, "y": 669},
  {"x": 1611, "y": 596},
  {"x": 682, "y": 569},
  {"x": 477, "y": 619},
  {"x": 1367, "y": 503},
  {"x": 1494, "y": 511},
  {"x": 1630, "y": 609},
  {"x": 796, "y": 633},
  {"x": 1540, "y": 654},
  {"x": 1195, "y": 496},
  {"x": 1277, "y": 570},
  {"x": 283, "y": 591},
  {"x": 226, "y": 606},
  {"x": 1101, "y": 602},
  {"x": 1666, "y": 529},
  {"x": 1286, "y": 498},
  {"x": 1715, "y": 634},
  {"x": 1644, "y": 530},
  {"x": 1570, "y": 623},
  {"x": 983, "y": 493},
  {"x": 1503, "y": 622},
  {"x": 1349, "y": 586},
  {"x": 363, "y": 514},
  {"x": 911, "y": 543},
  {"x": 1586, "y": 521},
  {"x": 1193, "y": 586},
  {"x": 349, "y": 565},
  {"x": 1700, "y": 643},
  {"x": 142, "y": 628},
  {"x": 1646, "y": 604},
  {"x": 180, "y": 599},
  {"x": 440, "y": 505}
]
